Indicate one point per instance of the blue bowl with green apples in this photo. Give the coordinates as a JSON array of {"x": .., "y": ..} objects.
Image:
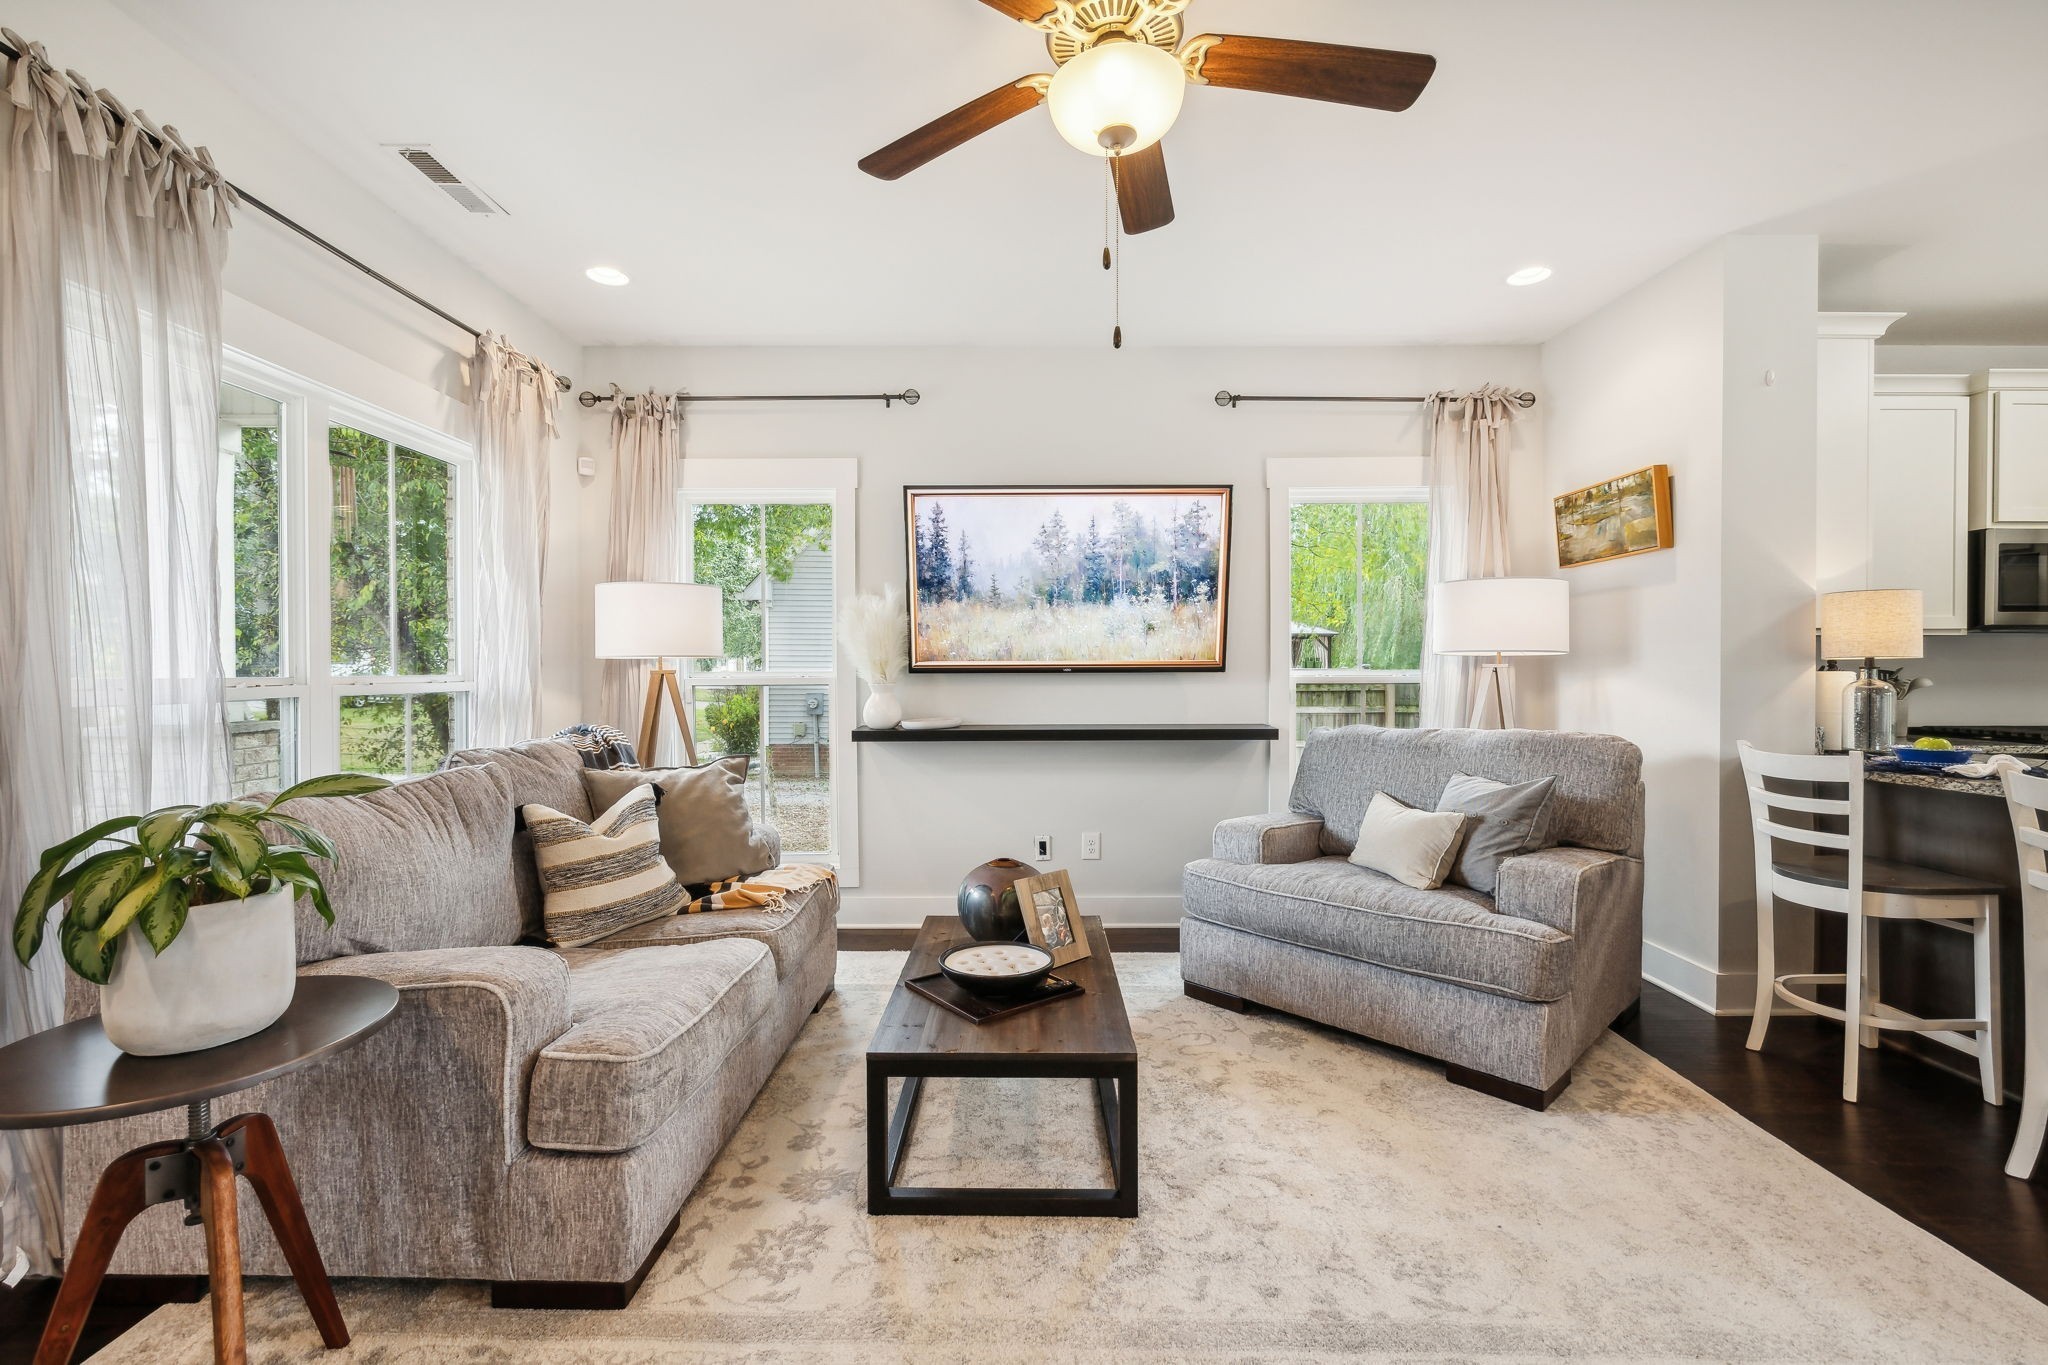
[{"x": 1930, "y": 758}]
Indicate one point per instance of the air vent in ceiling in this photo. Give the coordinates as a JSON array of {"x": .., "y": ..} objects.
[{"x": 423, "y": 160}]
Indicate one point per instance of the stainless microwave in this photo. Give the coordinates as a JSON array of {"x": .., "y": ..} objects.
[{"x": 2009, "y": 578}]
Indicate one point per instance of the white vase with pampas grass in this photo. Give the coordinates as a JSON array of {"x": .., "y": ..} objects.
[{"x": 874, "y": 630}]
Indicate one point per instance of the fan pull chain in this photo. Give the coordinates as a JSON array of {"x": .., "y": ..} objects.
[{"x": 1112, "y": 231}]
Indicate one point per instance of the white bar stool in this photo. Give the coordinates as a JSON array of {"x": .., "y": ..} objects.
[
  {"x": 2027, "y": 799},
  {"x": 1835, "y": 876}
]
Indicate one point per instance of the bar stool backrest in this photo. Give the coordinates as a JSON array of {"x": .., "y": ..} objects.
[
  {"x": 1760, "y": 766},
  {"x": 2027, "y": 798}
]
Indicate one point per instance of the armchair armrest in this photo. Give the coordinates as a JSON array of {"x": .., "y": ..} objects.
[
  {"x": 1283, "y": 837},
  {"x": 472, "y": 1020},
  {"x": 1566, "y": 888}
]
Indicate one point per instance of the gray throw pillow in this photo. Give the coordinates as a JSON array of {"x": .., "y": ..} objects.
[
  {"x": 1502, "y": 821},
  {"x": 707, "y": 833}
]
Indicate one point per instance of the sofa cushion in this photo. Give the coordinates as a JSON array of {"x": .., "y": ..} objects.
[
  {"x": 547, "y": 772},
  {"x": 422, "y": 864},
  {"x": 1503, "y": 822},
  {"x": 603, "y": 875},
  {"x": 1414, "y": 847},
  {"x": 707, "y": 832},
  {"x": 790, "y": 930},
  {"x": 648, "y": 1028},
  {"x": 1451, "y": 934},
  {"x": 1598, "y": 801}
]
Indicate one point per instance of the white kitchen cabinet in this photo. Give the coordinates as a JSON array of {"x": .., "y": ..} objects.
[
  {"x": 2009, "y": 448},
  {"x": 1919, "y": 495}
]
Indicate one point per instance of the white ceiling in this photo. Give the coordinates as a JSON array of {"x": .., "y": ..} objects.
[{"x": 708, "y": 149}]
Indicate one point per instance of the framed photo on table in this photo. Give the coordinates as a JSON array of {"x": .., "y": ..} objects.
[{"x": 1052, "y": 917}]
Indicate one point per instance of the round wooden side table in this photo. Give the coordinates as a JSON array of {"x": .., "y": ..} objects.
[{"x": 72, "y": 1074}]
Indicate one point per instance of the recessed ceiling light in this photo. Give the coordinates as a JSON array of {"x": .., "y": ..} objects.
[
  {"x": 1528, "y": 274},
  {"x": 605, "y": 274}
]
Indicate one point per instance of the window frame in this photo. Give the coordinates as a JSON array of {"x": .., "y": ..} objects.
[
  {"x": 305, "y": 656},
  {"x": 831, "y": 480},
  {"x": 1291, "y": 482}
]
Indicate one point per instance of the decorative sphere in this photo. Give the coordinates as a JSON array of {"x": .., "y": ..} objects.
[{"x": 988, "y": 900}]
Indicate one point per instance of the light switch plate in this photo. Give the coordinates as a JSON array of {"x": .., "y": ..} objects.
[{"x": 1042, "y": 847}]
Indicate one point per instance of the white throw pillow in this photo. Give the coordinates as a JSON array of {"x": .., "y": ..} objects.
[
  {"x": 605, "y": 875},
  {"x": 1414, "y": 847}
]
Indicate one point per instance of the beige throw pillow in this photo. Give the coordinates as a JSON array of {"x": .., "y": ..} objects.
[
  {"x": 1414, "y": 847},
  {"x": 707, "y": 833},
  {"x": 603, "y": 876}
]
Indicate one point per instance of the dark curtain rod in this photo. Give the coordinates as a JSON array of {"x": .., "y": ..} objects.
[
  {"x": 561, "y": 382},
  {"x": 1226, "y": 399},
  {"x": 908, "y": 397}
]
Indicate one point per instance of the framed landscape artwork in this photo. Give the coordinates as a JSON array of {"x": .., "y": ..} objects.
[
  {"x": 1067, "y": 578},
  {"x": 1629, "y": 515}
]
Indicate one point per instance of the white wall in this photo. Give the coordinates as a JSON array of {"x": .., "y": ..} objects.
[
  {"x": 293, "y": 304},
  {"x": 930, "y": 813},
  {"x": 1688, "y": 650}
]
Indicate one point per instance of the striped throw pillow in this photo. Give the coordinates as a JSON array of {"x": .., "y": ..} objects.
[{"x": 604, "y": 876}]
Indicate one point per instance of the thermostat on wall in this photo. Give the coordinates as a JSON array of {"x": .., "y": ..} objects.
[{"x": 586, "y": 466}]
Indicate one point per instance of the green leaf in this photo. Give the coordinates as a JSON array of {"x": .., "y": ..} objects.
[
  {"x": 226, "y": 872},
  {"x": 161, "y": 830},
  {"x": 165, "y": 915},
  {"x": 49, "y": 885},
  {"x": 334, "y": 784},
  {"x": 83, "y": 950},
  {"x": 320, "y": 845},
  {"x": 244, "y": 842},
  {"x": 130, "y": 905},
  {"x": 292, "y": 868},
  {"x": 102, "y": 881}
]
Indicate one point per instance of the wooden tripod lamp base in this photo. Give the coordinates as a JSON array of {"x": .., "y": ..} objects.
[
  {"x": 662, "y": 686},
  {"x": 661, "y": 621}
]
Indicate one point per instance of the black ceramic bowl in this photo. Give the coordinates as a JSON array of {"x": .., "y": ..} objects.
[{"x": 1005, "y": 969}]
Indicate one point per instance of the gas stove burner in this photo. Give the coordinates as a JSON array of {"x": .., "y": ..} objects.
[{"x": 2006, "y": 734}]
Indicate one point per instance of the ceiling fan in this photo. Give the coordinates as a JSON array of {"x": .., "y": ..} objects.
[{"x": 1122, "y": 71}]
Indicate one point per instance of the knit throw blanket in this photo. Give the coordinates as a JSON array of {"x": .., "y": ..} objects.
[{"x": 770, "y": 890}]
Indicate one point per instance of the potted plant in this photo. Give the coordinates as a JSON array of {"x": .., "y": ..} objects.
[
  {"x": 874, "y": 629},
  {"x": 210, "y": 897}
]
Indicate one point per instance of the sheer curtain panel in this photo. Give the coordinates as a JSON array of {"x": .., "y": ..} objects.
[
  {"x": 1468, "y": 529},
  {"x": 516, "y": 400},
  {"x": 110, "y": 361},
  {"x": 646, "y": 535}
]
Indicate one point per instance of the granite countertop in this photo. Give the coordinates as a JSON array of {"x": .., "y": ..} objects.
[{"x": 2034, "y": 754}]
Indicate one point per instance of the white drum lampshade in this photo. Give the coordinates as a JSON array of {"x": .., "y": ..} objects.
[
  {"x": 1500, "y": 617},
  {"x": 1884, "y": 623},
  {"x": 1505, "y": 616},
  {"x": 660, "y": 620}
]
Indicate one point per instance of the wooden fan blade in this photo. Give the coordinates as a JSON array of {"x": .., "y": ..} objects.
[
  {"x": 948, "y": 131},
  {"x": 1142, "y": 193},
  {"x": 1370, "y": 77},
  {"x": 1023, "y": 11}
]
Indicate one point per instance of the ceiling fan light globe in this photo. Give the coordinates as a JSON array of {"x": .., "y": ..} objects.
[{"x": 1112, "y": 87}]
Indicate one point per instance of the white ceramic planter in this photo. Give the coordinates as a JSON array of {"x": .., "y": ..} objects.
[
  {"x": 883, "y": 711},
  {"x": 229, "y": 973}
]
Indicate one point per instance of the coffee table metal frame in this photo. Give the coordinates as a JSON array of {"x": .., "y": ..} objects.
[{"x": 1033, "y": 1044}]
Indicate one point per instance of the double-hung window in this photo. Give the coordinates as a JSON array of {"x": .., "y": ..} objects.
[
  {"x": 776, "y": 538},
  {"x": 1351, "y": 579},
  {"x": 345, "y": 583}
]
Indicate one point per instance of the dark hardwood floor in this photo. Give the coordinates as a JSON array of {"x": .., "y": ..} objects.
[{"x": 1920, "y": 1140}]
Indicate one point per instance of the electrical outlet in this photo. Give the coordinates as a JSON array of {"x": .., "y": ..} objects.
[
  {"x": 1042, "y": 847},
  {"x": 1091, "y": 845}
]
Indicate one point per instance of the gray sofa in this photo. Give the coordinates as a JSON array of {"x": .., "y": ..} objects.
[
  {"x": 1508, "y": 991},
  {"x": 531, "y": 1117}
]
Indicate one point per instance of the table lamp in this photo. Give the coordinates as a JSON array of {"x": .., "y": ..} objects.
[
  {"x": 1882, "y": 623},
  {"x": 1503, "y": 617},
  {"x": 660, "y": 621}
]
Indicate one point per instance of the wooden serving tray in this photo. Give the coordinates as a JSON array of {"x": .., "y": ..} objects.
[{"x": 942, "y": 990}]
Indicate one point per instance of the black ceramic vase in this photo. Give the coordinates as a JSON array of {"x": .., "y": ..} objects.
[{"x": 988, "y": 901}]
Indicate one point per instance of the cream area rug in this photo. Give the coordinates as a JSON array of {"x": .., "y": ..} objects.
[{"x": 1305, "y": 1196}]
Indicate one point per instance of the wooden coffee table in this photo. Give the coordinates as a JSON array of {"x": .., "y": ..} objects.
[{"x": 1088, "y": 1035}]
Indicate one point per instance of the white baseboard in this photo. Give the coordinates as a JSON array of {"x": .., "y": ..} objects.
[
  {"x": 1727, "y": 994},
  {"x": 860, "y": 909}
]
